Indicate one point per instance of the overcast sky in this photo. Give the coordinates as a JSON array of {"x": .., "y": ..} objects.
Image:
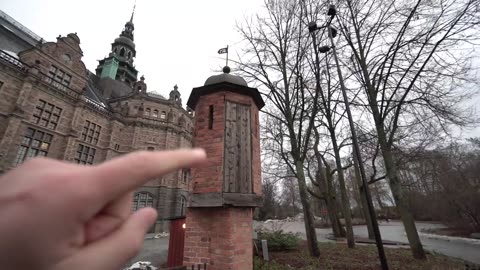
[{"x": 176, "y": 41}]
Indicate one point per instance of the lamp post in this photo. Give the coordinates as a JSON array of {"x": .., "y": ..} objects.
[{"x": 332, "y": 32}]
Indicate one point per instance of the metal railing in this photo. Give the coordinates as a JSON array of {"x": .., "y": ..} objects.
[{"x": 6, "y": 57}]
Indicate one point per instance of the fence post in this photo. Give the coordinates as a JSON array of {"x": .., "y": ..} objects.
[{"x": 265, "y": 250}]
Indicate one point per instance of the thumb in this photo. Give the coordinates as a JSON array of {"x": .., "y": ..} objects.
[{"x": 115, "y": 250}]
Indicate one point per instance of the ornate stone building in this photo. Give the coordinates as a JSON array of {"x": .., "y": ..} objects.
[{"x": 51, "y": 105}]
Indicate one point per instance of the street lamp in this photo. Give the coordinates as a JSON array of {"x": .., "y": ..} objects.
[{"x": 332, "y": 33}]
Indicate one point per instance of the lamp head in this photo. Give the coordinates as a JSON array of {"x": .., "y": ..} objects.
[
  {"x": 332, "y": 11},
  {"x": 324, "y": 49},
  {"x": 333, "y": 31},
  {"x": 312, "y": 27}
]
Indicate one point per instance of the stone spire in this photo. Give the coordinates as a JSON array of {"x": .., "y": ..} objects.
[
  {"x": 119, "y": 64},
  {"x": 133, "y": 12}
]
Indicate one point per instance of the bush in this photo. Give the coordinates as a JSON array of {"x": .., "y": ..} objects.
[{"x": 279, "y": 240}]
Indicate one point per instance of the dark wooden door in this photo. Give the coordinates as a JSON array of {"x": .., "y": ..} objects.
[
  {"x": 238, "y": 152},
  {"x": 176, "y": 243}
]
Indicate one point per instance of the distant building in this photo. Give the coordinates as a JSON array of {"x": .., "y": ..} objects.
[{"x": 51, "y": 105}]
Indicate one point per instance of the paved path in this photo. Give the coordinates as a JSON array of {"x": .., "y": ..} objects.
[
  {"x": 154, "y": 251},
  {"x": 394, "y": 231}
]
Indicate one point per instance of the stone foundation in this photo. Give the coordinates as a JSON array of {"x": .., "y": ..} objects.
[{"x": 220, "y": 237}]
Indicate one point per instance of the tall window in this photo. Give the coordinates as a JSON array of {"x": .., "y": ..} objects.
[
  {"x": 91, "y": 132},
  {"x": 58, "y": 78},
  {"x": 163, "y": 115},
  {"x": 34, "y": 143},
  {"x": 85, "y": 154},
  {"x": 183, "y": 205},
  {"x": 155, "y": 113},
  {"x": 141, "y": 200},
  {"x": 147, "y": 112},
  {"x": 46, "y": 114},
  {"x": 185, "y": 175}
]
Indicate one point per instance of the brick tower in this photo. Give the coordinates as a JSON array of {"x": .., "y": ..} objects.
[{"x": 224, "y": 193}]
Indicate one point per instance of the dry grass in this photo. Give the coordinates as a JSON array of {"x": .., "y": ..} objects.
[{"x": 339, "y": 257}]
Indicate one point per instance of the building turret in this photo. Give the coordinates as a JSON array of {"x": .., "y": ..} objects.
[
  {"x": 175, "y": 96},
  {"x": 119, "y": 63}
]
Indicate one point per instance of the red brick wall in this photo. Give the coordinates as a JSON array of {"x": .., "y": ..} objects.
[
  {"x": 210, "y": 177},
  {"x": 220, "y": 237}
]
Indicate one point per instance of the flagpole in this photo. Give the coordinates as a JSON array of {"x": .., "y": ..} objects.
[{"x": 227, "y": 57}]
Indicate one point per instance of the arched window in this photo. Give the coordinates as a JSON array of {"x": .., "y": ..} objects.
[
  {"x": 147, "y": 112},
  {"x": 155, "y": 113},
  {"x": 163, "y": 115},
  {"x": 183, "y": 205},
  {"x": 122, "y": 52},
  {"x": 141, "y": 200}
]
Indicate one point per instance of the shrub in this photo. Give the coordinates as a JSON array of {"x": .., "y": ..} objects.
[{"x": 280, "y": 240}]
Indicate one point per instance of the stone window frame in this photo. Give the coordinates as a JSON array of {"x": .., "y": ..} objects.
[
  {"x": 141, "y": 200},
  {"x": 58, "y": 77},
  {"x": 91, "y": 132},
  {"x": 183, "y": 205},
  {"x": 47, "y": 114},
  {"x": 147, "y": 112},
  {"x": 34, "y": 143},
  {"x": 85, "y": 154},
  {"x": 155, "y": 113},
  {"x": 163, "y": 115}
]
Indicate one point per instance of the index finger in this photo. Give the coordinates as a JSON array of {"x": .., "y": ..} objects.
[{"x": 121, "y": 175}]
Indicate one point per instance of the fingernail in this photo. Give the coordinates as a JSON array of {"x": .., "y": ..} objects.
[{"x": 200, "y": 152}]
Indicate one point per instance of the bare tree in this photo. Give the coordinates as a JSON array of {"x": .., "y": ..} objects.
[
  {"x": 274, "y": 58},
  {"x": 403, "y": 55},
  {"x": 331, "y": 116},
  {"x": 321, "y": 175},
  {"x": 443, "y": 183}
]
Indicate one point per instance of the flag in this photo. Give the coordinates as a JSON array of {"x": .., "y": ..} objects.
[{"x": 223, "y": 50}]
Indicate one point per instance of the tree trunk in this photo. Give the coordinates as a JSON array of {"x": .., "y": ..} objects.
[
  {"x": 347, "y": 213},
  {"x": 337, "y": 227},
  {"x": 400, "y": 201},
  {"x": 307, "y": 212},
  {"x": 363, "y": 198},
  {"x": 332, "y": 215},
  {"x": 395, "y": 185}
]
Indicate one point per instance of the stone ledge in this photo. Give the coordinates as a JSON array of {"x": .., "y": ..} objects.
[{"x": 225, "y": 199}]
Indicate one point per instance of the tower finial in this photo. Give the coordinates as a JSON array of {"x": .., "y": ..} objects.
[{"x": 133, "y": 12}]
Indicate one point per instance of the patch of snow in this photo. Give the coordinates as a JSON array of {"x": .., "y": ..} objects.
[
  {"x": 450, "y": 238},
  {"x": 163, "y": 234},
  {"x": 142, "y": 266},
  {"x": 12, "y": 54}
]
